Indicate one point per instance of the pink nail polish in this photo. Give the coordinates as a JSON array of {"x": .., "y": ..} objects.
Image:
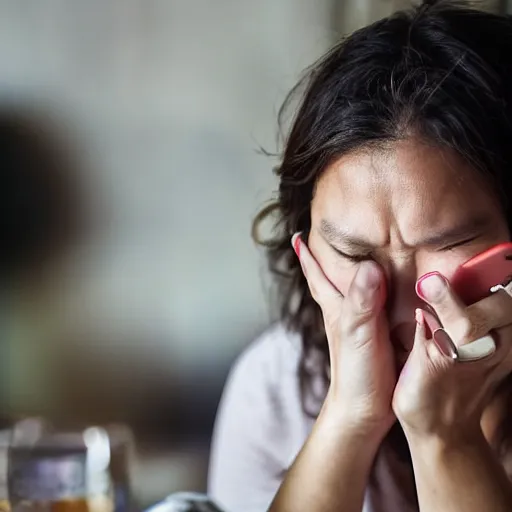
[
  {"x": 445, "y": 344},
  {"x": 296, "y": 245}
]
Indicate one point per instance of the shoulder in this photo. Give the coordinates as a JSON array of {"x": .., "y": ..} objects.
[
  {"x": 260, "y": 423},
  {"x": 263, "y": 391},
  {"x": 274, "y": 354},
  {"x": 265, "y": 379}
]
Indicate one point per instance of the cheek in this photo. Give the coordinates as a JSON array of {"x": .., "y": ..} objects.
[
  {"x": 446, "y": 264},
  {"x": 339, "y": 271}
]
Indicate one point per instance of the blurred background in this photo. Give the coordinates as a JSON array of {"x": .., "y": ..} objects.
[{"x": 129, "y": 140}]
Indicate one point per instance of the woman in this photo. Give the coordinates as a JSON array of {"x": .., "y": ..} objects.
[{"x": 398, "y": 164}]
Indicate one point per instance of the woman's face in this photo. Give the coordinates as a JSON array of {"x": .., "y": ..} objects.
[{"x": 413, "y": 209}]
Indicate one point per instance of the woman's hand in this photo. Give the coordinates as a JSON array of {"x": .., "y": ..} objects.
[
  {"x": 436, "y": 395},
  {"x": 363, "y": 374}
]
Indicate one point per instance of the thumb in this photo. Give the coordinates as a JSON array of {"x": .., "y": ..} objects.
[
  {"x": 364, "y": 303},
  {"x": 367, "y": 292}
]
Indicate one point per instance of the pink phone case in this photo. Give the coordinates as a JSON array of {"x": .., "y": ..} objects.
[{"x": 475, "y": 279}]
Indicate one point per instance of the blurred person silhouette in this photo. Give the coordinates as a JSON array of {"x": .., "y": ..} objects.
[
  {"x": 39, "y": 196},
  {"x": 397, "y": 169},
  {"x": 41, "y": 218}
]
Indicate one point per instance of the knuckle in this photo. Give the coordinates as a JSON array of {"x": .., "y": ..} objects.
[{"x": 362, "y": 305}]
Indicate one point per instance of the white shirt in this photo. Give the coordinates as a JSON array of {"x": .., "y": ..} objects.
[{"x": 261, "y": 427}]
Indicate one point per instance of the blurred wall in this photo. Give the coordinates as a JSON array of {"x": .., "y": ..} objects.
[{"x": 172, "y": 100}]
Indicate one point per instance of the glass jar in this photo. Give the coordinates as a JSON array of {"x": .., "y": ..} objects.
[{"x": 55, "y": 471}]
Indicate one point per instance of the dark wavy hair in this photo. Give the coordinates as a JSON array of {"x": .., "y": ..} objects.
[{"x": 441, "y": 72}]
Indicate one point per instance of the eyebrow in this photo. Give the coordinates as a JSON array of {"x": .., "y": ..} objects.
[{"x": 472, "y": 227}]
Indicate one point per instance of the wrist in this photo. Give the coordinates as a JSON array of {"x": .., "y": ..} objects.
[
  {"x": 442, "y": 442},
  {"x": 369, "y": 431},
  {"x": 344, "y": 440}
]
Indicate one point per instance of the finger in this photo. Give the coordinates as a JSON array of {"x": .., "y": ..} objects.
[
  {"x": 433, "y": 331},
  {"x": 453, "y": 314},
  {"x": 477, "y": 349},
  {"x": 322, "y": 290},
  {"x": 421, "y": 334},
  {"x": 418, "y": 352},
  {"x": 366, "y": 294},
  {"x": 424, "y": 354},
  {"x": 431, "y": 323},
  {"x": 439, "y": 349},
  {"x": 445, "y": 344},
  {"x": 363, "y": 304},
  {"x": 435, "y": 290},
  {"x": 494, "y": 311}
]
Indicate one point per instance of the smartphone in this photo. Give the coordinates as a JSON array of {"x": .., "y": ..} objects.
[
  {"x": 476, "y": 279},
  {"x": 479, "y": 276}
]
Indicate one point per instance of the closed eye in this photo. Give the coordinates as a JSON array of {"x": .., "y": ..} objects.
[
  {"x": 459, "y": 244},
  {"x": 356, "y": 258}
]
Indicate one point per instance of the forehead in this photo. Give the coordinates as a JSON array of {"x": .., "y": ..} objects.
[{"x": 403, "y": 191}]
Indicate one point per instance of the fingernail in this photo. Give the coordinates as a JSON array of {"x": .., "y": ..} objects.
[
  {"x": 296, "y": 241},
  {"x": 367, "y": 276},
  {"x": 445, "y": 344},
  {"x": 420, "y": 319},
  {"x": 431, "y": 287},
  {"x": 297, "y": 244}
]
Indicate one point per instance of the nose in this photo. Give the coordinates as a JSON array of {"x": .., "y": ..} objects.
[{"x": 401, "y": 299}]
